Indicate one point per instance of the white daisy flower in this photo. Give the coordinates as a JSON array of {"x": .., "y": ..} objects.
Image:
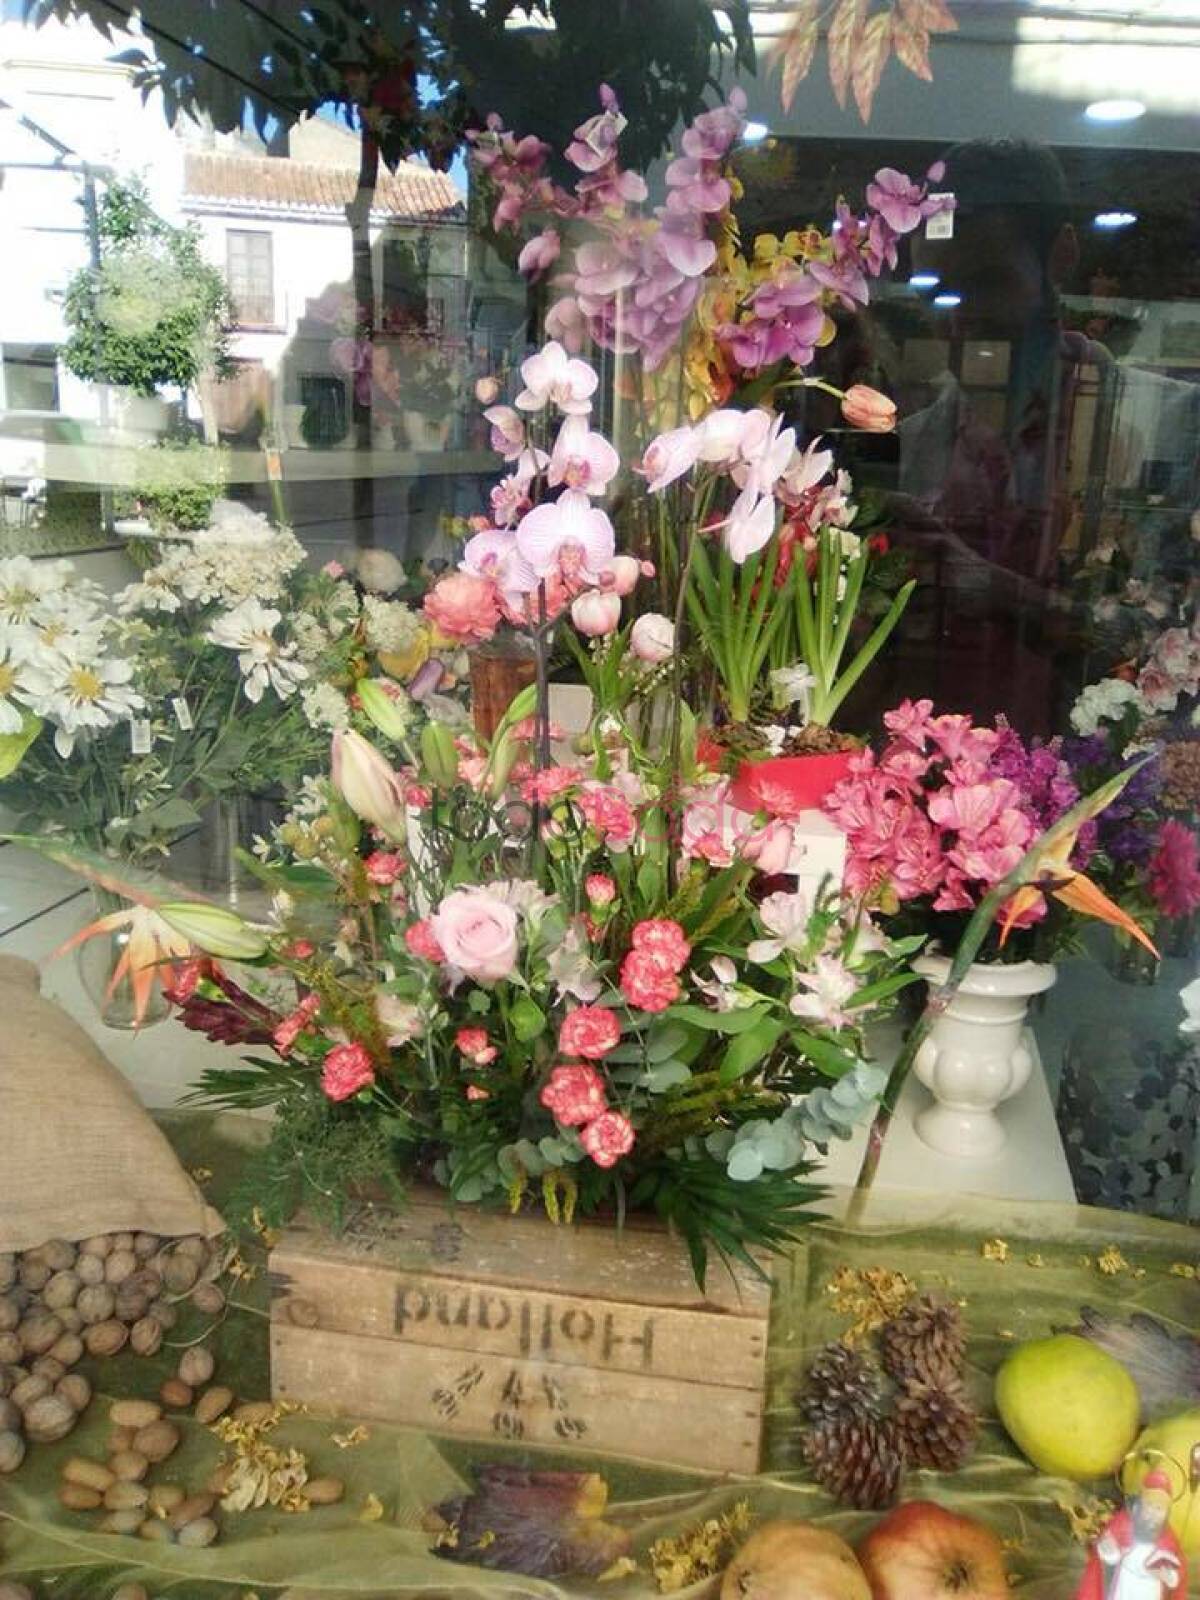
[
  {"x": 79, "y": 692},
  {"x": 25, "y": 585},
  {"x": 250, "y": 630},
  {"x": 13, "y": 650}
]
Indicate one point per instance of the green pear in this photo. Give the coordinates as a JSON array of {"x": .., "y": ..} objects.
[
  {"x": 1169, "y": 1445},
  {"x": 1069, "y": 1406}
]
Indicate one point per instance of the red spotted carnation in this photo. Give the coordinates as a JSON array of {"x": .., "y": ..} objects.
[
  {"x": 383, "y": 866},
  {"x": 647, "y": 983},
  {"x": 476, "y": 1046},
  {"x": 346, "y": 1069},
  {"x": 422, "y": 941},
  {"x": 589, "y": 1031},
  {"x": 664, "y": 940},
  {"x": 574, "y": 1095},
  {"x": 607, "y": 1138}
]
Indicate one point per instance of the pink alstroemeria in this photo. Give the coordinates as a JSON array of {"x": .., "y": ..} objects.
[
  {"x": 750, "y": 524},
  {"x": 786, "y": 918},
  {"x": 971, "y": 807},
  {"x": 669, "y": 456},
  {"x": 582, "y": 459},
  {"x": 567, "y": 537},
  {"x": 553, "y": 377},
  {"x": 540, "y": 254}
]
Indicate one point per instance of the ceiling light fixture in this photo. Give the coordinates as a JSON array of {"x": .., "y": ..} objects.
[
  {"x": 947, "y": 301},
  {"x": 754, "y": 132},
  {"x": 924, "y": 280},
  {"x": 1114, "y": 111},
  {"x": 1114, "y": 219}
]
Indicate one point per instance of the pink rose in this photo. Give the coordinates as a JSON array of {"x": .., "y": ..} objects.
[
  {"x": 589, "y": 1031},
  {"x": 574, "y": 1095},
  {"x": 866, "y": 408},
  {"x": 464, "y": 607},
  {"x": 476, "y": 1046},
  {"x": 478, "y": 934},
  {"x": 607, "y": 1138},
  {"x": 346, "y": 1069},
  {"x": 422, "y": 941},
  {"x": 664, "y": 940}
]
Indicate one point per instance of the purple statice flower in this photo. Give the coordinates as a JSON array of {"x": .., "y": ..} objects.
[
  {"x": 1044, "y": 781},
  {"x": 1126, "y": 830}
]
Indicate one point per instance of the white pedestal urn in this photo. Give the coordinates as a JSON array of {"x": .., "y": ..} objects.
[{"x": 976, "y": 1058}]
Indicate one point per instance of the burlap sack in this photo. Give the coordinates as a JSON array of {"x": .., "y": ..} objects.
[{"x": 78, "y": 1153}]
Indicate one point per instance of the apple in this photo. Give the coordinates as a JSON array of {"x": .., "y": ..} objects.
[
  {"x": 921, "y": 1551},
  {"x": 794, "y": 1561}
]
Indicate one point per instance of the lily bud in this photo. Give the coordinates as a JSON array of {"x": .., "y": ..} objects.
[
  {"x": 387, "y": 711},
  {"x": 366, "y": 782},
  {"x": 438, "y": 755},
  {"x": 214, "y": 930}
]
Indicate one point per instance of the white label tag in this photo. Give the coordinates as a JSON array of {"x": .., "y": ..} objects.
[
  {"x": 941, "y": 224},
  {"x": 141, "y": 739},
  {"x": 183, "y": 714}
]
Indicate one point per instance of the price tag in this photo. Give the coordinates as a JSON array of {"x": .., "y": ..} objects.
[
  {"x": 274, "y": 466},
  {"x": 941, "y": 224},
  {"x": 141, "y": 738},
  {"x": 183, "y": 713}
]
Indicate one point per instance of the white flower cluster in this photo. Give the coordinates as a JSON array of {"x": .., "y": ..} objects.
[
  {"x": 390, "y": 625},
  {"x": 325, "y": 707},
  {"x": 239, "y": 556},
  {"x": 53, "y": 656},
  {"x": 1106, "y": 701}
]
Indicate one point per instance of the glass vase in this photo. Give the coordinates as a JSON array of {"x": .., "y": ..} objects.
[
  {"x": 105, "y": 971},
  {"x": 499, "y": 671}
]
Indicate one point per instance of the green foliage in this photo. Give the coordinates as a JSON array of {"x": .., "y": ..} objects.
[
  {"x": 153, "y": 312},
  {"x": 273, "y": 64},
  {"x": 178, "y": 482}
]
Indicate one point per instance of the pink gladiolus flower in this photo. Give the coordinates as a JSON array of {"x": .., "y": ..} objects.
[
  {"x": 869, "y": 410},
  {"x": 574, "y": 1095},
  {"x": 596, "y": 614},
  {"x": 582, "y": 459},
  {"x": 589, "y": 1031},
  {"x": 569, "y": 537},
  {"x": 476, "y": 1046},
  {"x": 540, "y": 254},
  {"x": 478, "y": 933},
  {"x": 669, "y": 456},
  {"x": 609, "y": 1137},
  {"x": 464, "y": 607},
  {"x": 553, "y": 377},
  {"x": 345, "y": 1071}
]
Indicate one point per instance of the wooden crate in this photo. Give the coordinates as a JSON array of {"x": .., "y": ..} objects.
[{"x": 509, "y": 1328}]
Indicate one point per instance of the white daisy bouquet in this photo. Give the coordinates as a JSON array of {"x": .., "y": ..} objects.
[{"x": 223, "y": 669}]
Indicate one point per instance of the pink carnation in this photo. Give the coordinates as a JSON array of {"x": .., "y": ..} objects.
[
  {"x": 1175, "y": 871},
  {"x": 422, "y": 941},
  {"x": 589, "y": 1031},
  {"x": 290, "y": 1029},
  {"x": 463, "y": 606},
  {"x": 545, "y": 787},
  {"x": 606, "y": 809},
  {"x": 383, "y": 866},
  {"x": 476, "y": 1046},
  {"x": 665, "y": 941},
  {"x": 647, "y": 983},
  {"x": 600, "y": 889},
  {"x": 607, "y": 1138},
  {"x": 346, "y": 1069},
  {"x": 574, "y": 1095}
]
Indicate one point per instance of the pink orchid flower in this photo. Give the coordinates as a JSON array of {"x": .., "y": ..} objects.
[
  {"x": 494, "y": 554},
  {"x": 540, "y": 254},
  {"x": 669, "y": 456},
  {"x": 508, "y": 431},
  {"x": 568, "y": 537},
  {"x": 750, "y": 524},
  {"x": 553, "y": 377},
  {"x": 719, "y": 436},
  {"x": 582, "y": 459},
  {"x": 767, "y": 449}
]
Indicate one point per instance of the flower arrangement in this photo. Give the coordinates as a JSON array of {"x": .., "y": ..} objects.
[{"x": 946, "y": 811}]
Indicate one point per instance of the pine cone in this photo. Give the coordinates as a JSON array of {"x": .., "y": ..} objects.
[
  {"x": 840, "y": 1383},
  {"x": 924, "y": 1343},
  {"x": 857, "y": 1460},
  {"x": 936, "y": 1426}
]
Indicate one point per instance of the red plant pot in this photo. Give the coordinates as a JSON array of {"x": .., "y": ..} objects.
[{"x": 784, "y": 786}]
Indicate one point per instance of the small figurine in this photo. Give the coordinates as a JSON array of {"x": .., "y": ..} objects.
[{"x": 1137, "y": 1557}]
